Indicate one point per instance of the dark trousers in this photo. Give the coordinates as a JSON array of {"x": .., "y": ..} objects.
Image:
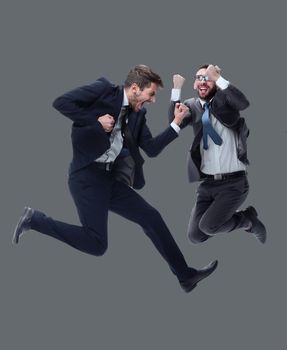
[
  {"x": 216, "y": 207},
  {"x": 95, "y": 192}
]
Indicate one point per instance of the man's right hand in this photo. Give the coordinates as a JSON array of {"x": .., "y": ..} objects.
[
  {"x": 178, "y": 81},
  {"x": 107, "y": 122}
]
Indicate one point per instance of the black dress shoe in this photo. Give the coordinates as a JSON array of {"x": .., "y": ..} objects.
[
  {"x": 23, "y": 224},
  {"x": 257, "y": 227},
  {"x": 189, "y": 284}
]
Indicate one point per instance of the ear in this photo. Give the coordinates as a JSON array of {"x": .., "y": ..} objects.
[
  {"x": 194, "y": 85},
  {"x": 135, "y": 88}
]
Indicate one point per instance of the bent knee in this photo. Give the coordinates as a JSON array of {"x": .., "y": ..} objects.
[
  {"x": 97, "y": 249},
  {"x": 208, "y": 228},
  {"x": 197, "y": 236}
]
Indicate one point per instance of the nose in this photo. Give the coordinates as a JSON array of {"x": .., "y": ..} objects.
[{"x": 152, "y": 99}]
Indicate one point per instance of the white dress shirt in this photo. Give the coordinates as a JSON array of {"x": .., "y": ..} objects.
[
  {"x": 116, "y": 139},
  {"x": 218, "y": 159}
]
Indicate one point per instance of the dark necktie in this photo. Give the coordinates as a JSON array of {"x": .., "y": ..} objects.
[
  {"x": 208, "y": 129},
  {"x": 128, "y": 138}
]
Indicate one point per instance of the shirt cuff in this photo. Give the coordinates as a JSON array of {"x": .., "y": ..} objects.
[
  {"x": 175, "y": 94},
  {"x": 175, "y": 127},
  {"x": 222, "y": 83}
]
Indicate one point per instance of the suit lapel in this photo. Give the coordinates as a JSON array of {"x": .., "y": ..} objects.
[{"x": 117, "y": 101}]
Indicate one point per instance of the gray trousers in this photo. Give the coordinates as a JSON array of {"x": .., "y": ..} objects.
[{"x": 216, "y": 207}]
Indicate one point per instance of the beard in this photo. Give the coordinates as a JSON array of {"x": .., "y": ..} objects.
[
  {"x": 209, "y": 95},
  {"x": 134, "y": 101}
]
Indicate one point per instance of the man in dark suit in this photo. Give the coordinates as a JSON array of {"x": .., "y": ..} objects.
[
  {"x": 109, "y": 126},
  {"x": 218, "y": 156}
]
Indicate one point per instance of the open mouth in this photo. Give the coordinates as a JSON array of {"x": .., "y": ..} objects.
[{"x": 203, "y": 91}]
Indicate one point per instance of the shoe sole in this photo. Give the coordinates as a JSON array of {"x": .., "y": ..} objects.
[
  {"x": 253, "y": 211},
  {"x": 17, "y": 234}
]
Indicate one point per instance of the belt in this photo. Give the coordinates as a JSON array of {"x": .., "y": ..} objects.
[
  {"x": 224, "y": 176},
  {"x": 103, "y": 166}
]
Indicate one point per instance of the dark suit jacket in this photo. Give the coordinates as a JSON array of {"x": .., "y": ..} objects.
[
  {"x": 225, "y": 106},
  {"x": 84, "y": 105}
]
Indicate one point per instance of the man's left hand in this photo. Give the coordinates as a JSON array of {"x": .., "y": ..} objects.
[
  {"x": 180, "y": 111},
  {"x": 213, "y": 72}
]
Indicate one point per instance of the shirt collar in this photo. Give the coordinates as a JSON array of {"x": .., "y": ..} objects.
[
  {"x": 202, "y": 102},
  {"x": 125, "y": 100}
]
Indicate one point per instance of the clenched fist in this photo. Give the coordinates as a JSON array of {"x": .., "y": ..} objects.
[
  {"x": 213, "y": 72},
  {"x": 178, "y": 81},
  {"x": 180, "y": 111},
  {"x": 107, "y": 122}
]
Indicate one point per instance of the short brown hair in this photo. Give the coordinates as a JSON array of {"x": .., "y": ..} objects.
[{"x": 143, "y": 76}]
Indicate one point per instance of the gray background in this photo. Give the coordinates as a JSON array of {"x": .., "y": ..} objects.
[{"x": 53, "y": 297}]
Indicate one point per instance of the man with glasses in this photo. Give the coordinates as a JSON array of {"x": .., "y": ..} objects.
[{"x": 218, "y": 156}]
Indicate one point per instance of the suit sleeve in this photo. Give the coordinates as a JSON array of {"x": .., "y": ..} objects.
[
  {"x": 152, "y": 146},
  {"x": 233, "y": 97},
  {"x": 76, "y": 104}
]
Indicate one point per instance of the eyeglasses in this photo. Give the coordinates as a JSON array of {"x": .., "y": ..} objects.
[{"x": 202, "y": 77}]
